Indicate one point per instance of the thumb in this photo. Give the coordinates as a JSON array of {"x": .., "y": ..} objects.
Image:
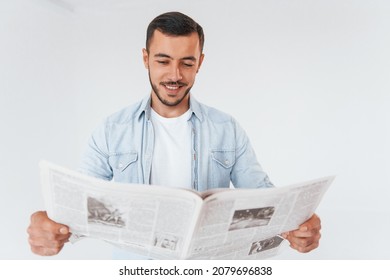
[
  {"x": 63, "y": 229},
  {"x": 40, "y": 219}
]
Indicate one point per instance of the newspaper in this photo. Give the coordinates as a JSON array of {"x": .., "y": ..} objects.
[{"x": 169, "y": 223}]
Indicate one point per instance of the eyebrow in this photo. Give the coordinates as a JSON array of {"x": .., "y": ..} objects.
[{"x": 163, "y": 55}]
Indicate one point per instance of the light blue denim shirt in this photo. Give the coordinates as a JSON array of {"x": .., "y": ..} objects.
[{"x": 121, "y": 148}]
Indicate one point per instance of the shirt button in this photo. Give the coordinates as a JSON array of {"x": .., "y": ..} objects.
[
  {"x": 120, "y": 165},
  {"x": 226, "y": 161}
]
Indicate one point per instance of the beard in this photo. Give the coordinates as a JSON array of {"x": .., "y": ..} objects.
[{"x": 164, "y": 101}]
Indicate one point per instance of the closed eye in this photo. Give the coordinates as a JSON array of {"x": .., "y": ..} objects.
[{"x": 188, "y": 64}]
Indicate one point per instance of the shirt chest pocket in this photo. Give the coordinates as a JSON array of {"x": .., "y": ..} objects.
[
  {"x": 125, "y": 167},
  {"x": 222, "y": 162}
]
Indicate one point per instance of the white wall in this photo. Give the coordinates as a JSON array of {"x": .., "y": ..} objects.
[{"x": 308, "y": 80}]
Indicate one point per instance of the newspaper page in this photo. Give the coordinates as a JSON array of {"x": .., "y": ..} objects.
[
  {"x": 168, "y": 223},
  {"x": 245, "y": 223},
  {"x": 148, "y": 220}
]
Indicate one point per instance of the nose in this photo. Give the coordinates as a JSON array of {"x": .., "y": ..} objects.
[{"x": 175, "y": 73}]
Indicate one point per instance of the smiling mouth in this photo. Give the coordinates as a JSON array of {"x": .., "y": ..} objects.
[{"x": 173, "y": 86}]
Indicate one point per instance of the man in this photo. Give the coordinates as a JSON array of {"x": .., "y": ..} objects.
[{"x": 169, "y": 138}]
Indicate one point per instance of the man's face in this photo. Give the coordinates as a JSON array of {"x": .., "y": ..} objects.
[
  {"x": 168, "y": 243},
  {"x": 172, "y": 62}
]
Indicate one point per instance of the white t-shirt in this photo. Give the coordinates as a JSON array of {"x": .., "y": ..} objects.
[{"x": 171, "y": 163}]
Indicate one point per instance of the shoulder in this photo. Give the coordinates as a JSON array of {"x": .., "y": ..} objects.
[
  {"x": 217, "y": 115},
  {"x": 125, "y": 115},
  {"x": 219, "y": 122},
  {"x": 121, "y": 120},
  {"x": 212, "y": 114}
]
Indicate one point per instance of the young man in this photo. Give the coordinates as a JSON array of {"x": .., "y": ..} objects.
[{"x": 169, "y": 138}]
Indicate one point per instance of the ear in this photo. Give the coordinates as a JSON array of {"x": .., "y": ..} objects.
[
  {"x": 200, "y": 62},
  {"x": 145, "y": 57}
]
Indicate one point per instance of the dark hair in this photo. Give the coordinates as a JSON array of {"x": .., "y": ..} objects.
[{"x": 176, "y": 24}]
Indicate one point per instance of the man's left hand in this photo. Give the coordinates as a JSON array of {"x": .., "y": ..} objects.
[{"x": 306, "y": 237}]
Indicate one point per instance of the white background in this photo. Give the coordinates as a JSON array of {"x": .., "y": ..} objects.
[{"x": 308, "y": 80}]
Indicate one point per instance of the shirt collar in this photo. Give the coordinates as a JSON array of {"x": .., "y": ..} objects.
[
  {"x": 146, "y": 107},
  {"x": 195, "y": 108}
]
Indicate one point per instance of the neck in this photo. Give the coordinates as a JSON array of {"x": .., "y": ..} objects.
[{"x": 167, "y": 111}]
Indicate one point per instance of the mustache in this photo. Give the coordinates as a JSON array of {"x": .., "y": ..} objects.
[{"x": 181, "y": 84}]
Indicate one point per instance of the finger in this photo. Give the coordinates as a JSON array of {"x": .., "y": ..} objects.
[
  {"x": 42, "y": 251},
  {"x": 305, "y": 249},
  {"x": 305, "y": 232},
  {"x": 285, "y": 235},
  {"x": 300, "y": 242},
  {"x": 313, "y": 222},
  {"x": 42, "y": 221},
  {"x": 308, "y": 228},
  {"x": 45, "y": 243},
  {"x": 297, "y": 242},
  {"x": 36, "y": 232},
  {"x": 50, "y": 237}
]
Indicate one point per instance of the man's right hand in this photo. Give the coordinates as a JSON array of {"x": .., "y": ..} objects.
[{"x": 46, "y": 237}]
